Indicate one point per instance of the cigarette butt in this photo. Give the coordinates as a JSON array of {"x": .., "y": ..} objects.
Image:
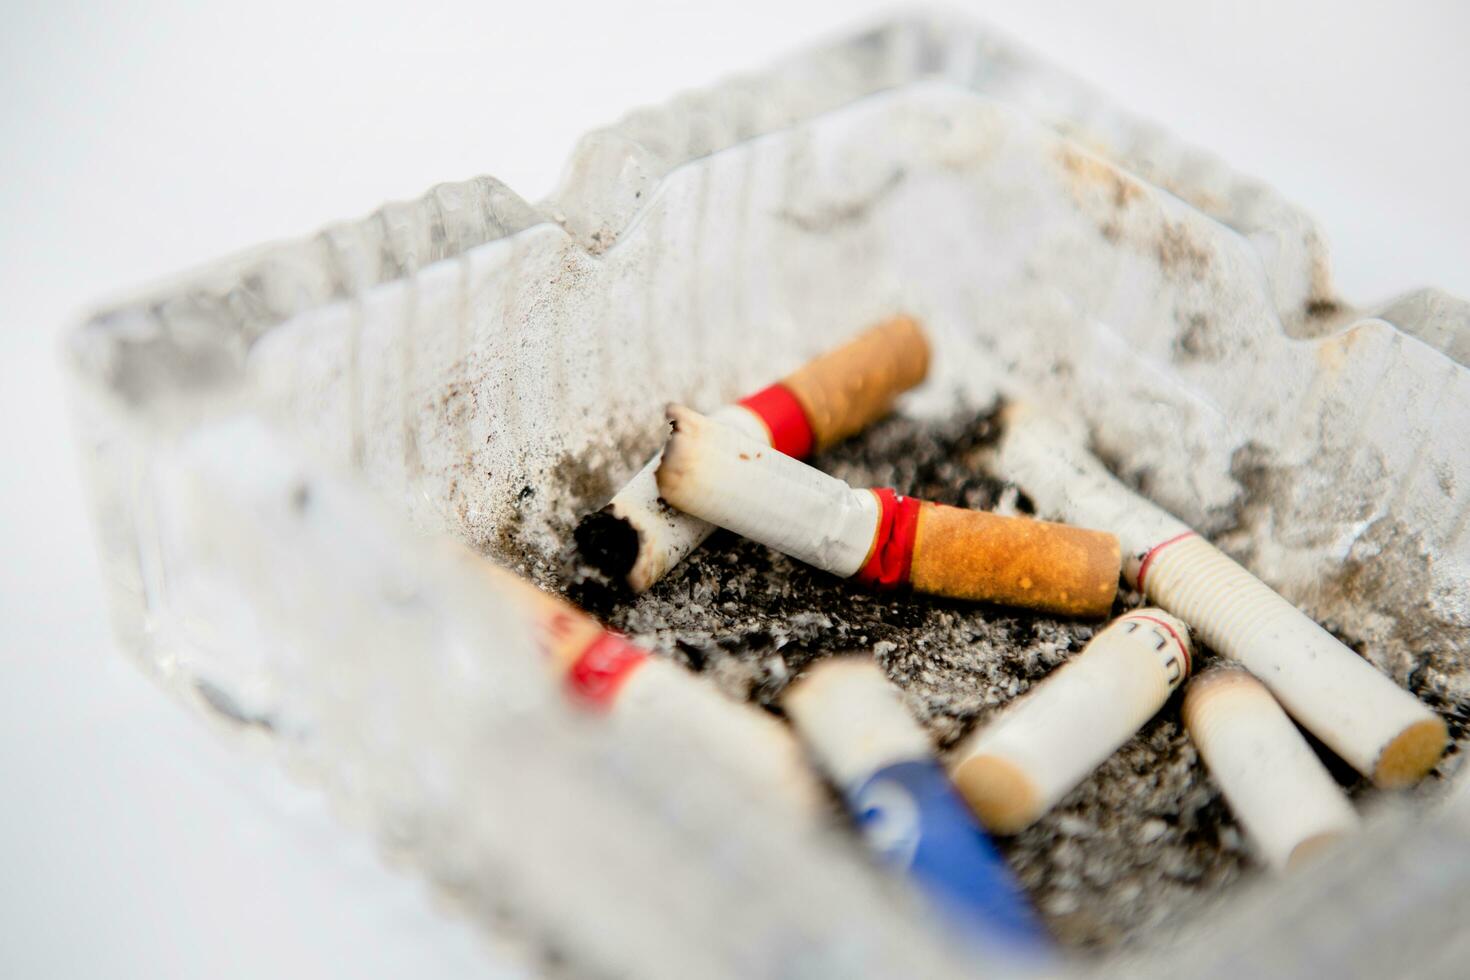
[
  {"x": 744, "y": 740},
  {"x": 592, "y": 663},
  {"x": 721, "y": 476},
  {"x": 1016, "y": 768},
  {"x": 733, "y": 481},
  {"x": 845, "y": 390},
  {"x": 609, "y": 675},
  {"x": 1373, "y": 724},
  {"x": 1379, "y": 728},
  {"x": 638, "y": 539},
  {"x": 969, "y": 554},
  {"x": 851, "y": 718},
  {"x": 876, "y": 754},
  {"x": 1288, "y": 803}
]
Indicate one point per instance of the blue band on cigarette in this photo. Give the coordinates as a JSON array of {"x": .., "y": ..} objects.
[{"x": 911, "y": 815}]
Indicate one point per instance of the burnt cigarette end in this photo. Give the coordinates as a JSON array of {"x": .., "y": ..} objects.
[
  {"x": 608, "y": 543},
  {"x": 682, "y": 420},
  {"x": 681, "y": 453}
]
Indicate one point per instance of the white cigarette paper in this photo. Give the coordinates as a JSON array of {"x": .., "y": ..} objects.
[
  {"x": 636, "y": 538},
  {"x": 1017, "y": 767},
  {"x": 1377, "y": 727},
  {"x": 740, "y": 739},
  {"x": 851, "y": 717},
  {"x": 723, "y": 476},
  {"x": 1276, "y": 786},
  {"x": 648, "y": 694},
  {"x": 662, "y": 536}
]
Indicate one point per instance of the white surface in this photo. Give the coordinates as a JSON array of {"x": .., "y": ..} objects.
[{"x": 136, "y": 843}]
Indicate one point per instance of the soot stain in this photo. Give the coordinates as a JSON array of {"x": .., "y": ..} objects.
[{"x": 1179, "y": 252}]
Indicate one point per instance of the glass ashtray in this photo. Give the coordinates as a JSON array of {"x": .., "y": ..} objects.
[{"x": 272, "y": 444}]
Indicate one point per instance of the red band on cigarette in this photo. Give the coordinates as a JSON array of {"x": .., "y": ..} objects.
[
  {"x": 597, "y": 674},
  {"x": 1148, "y": 558},
  {"x": 784, "y": 418},
  {"x": 888, "y": 563},
  {"x": 1183, "y": 647}
]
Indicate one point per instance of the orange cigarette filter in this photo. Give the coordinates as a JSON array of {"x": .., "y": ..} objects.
[
  {"x": 843, "y": 391},
  {"x": 1014, "y": 561}
]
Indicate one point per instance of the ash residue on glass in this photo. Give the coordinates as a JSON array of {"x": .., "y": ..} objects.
[{"x": 1142, "y": 842}]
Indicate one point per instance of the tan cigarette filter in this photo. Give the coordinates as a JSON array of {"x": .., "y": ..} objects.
[
  {"x": 1017, "y": 767},
  {"x": 1376, "y": 726},
  {"x": 972, "y": 554},
  {"x": 845, "y": 390},
  {"x": 1278, "y": 789}
]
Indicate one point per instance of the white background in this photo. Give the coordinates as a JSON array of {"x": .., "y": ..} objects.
[{"x": 136, "y": 142}]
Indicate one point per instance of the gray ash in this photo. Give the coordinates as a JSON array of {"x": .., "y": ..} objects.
[{"x": 1142, "y": 841}]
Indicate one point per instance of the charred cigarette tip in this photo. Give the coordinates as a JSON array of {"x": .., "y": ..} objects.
[
  {"x": 686, "y": 426},
  {"x": 682, "y": 419},
  {"x": 608, "y": 543},
  {"x": 676, "y": 413}
]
